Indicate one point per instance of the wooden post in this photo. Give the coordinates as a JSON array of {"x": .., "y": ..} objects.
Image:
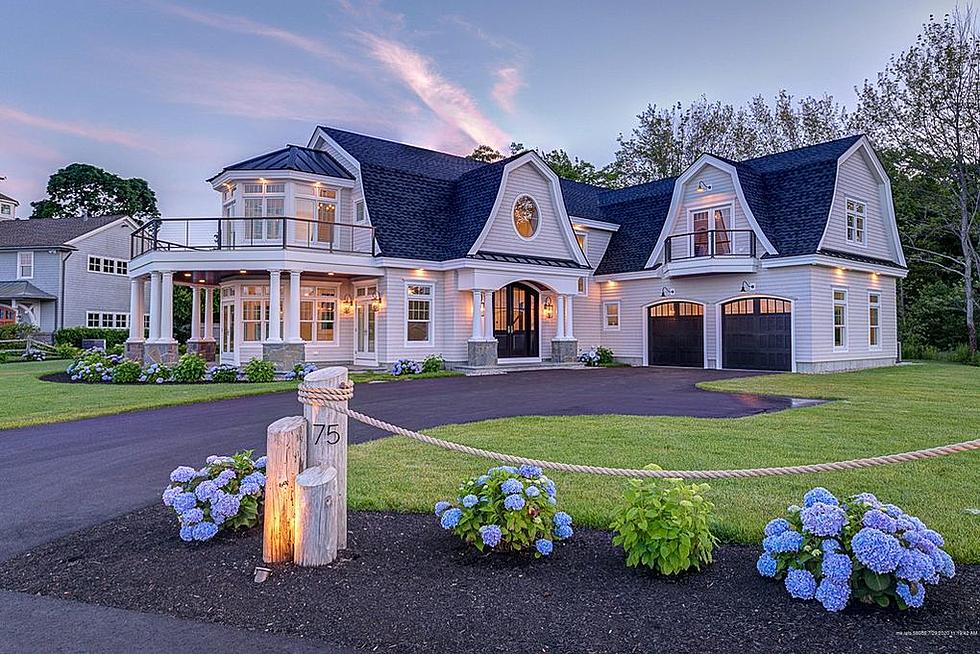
[
  {"x": 316, "y": 530},
  {"x": 327, "y": 444},
  {"x": 286, "y": 452}
]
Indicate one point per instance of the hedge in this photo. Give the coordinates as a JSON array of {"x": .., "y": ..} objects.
[{"x": 74, "y": 335}]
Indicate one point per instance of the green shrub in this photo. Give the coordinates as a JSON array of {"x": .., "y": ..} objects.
[
  {"x": 127, "y": 372},
  {"x": 605, "y": 356},
  {"x": 66, "y": 351},
  {"x": 433, "y": 363},
  {"x": 9, "y": 332},
  {"x": 959, "y": 354},
  {"x": 259, "y": 371},
  {"x": 74, "y": 335},
  {"x": 224, "y": 374},
  {"x": 190, "y": 368},
  {"x": 664, "y": 525},
  {"x": 3, "y": 357},
  {"x": 156, "y": 373}
]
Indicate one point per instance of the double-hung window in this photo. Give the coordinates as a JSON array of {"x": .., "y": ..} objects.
[
  {"x": 107, "y": 265},
  {"x": 856, "y": 225},
  {"x": 25, "y": 265},
  {"x": 255, "y": 313},
  {"x": 874, "y": 321},
  {"x": 264, "y": 200},
  {"x": 105, "y": 319},
  {"x": 318, "y": 314},
  {"x": 611, "y": 315},
  {"x": 418, "y": 316},
  {"x": 840, "y": 319}
]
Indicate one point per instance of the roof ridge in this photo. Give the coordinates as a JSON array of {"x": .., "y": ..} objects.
[
  {"x": 400, "y": 143},
  {"x": 852, "y": 137}
]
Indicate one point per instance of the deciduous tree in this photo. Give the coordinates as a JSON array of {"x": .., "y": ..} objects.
[{"x": 86, "y": 190}]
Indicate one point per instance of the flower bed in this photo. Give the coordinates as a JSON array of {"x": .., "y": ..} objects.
[
  {"x": 99, "y": 367},
  {"x": 832, "y": 551}
]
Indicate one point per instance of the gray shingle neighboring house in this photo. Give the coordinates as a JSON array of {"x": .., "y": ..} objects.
[{"x": 66, "y": 272}]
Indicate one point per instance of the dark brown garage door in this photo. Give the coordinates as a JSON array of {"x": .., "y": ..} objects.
[
  {"x": 757, "y": 334},
  {"x": 675, "y": 334}
]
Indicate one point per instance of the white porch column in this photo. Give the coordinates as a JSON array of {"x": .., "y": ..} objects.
[
  {"x": 275, "y": 306},
  {"x": 195, "y": 313},
  {"x": 477, "y": 319},
  {"x": 560, "y": 318},
  {"x": 155, "y": 282},
  {"x": 292, "y": 316},
  {"x": 569, "y": 322},
  {"x": 136, "y": 310},
  {"x": 488, "y": 316},
  {"x": 167, "y": 306},
  {"x": 208, "y": 314}
]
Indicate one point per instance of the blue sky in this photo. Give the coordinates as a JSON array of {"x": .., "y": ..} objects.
[{"x": 171, "y": 91}]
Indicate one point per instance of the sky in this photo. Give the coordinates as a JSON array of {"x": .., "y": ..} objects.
[{"x": 173, "y": 91}]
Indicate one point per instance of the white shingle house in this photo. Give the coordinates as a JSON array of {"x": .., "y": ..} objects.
[{"x": 359, "y": 250}]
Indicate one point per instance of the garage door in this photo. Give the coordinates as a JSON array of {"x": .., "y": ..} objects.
[
  {"x": 757, "y": 334},
  {"x": 675, "y": 334}
]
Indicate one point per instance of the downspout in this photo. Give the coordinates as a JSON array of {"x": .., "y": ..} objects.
[{"x": 61, "y": 300}]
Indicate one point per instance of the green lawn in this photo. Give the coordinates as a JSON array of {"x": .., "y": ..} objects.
[
  {"x": 26, "y": 400},
  {"x": 877, "y": 411}
]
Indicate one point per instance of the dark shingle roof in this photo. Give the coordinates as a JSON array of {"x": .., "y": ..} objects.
[
  {"x": 640, "y": 217},
  {"x": 293, "y": 157},
  {"x": 7, "y": 198},
  {"x": 398, "y": 156},
  {"x": 23, "y": 290},
  {"x": 47, "y": 232}
]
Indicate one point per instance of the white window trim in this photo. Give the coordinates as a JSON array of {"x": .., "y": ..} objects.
[
  {"x": 432, "y": 313},
  {"x": 863, "y": 242},
  {"x": 100, "y": 323},
  {"x": 513, "y": 223},
  {"x": 585, "y": 242},
  {"x": 585, "y": 287},
  {"x": 335, "y": 299},
  {"x": 846, "y": 326},
  {"x": 364, "y": 217},
  {"x": 709, "y": 208},
  {"x": 102, "y": 270},
  {"x": 605, "y": 316},
  {"x": 19, "y": 265},
  {"x": 874, "y": 293}
]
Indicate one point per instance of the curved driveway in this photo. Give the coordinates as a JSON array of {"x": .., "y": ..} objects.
[{"x": 59, "y": 478}]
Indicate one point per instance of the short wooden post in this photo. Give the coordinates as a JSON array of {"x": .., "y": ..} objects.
[
  {"x": 286, "y": 453},
  {"x": 327, "y": 443},
  {"x": 316, "y": 532}
]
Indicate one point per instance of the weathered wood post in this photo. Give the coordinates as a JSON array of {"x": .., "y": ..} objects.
[
  {"x": 286, "y": 453},
  {"x": 327, "y": 442},
  {"x": 316, "y": 531}
]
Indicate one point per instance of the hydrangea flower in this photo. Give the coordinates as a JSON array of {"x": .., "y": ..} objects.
[
  {"x": 563, "y": 532},
  {"x": 800, "y": 583},
  {"x": 879, "y": 520},
  {"x": 514, "y": 502},
  {"x": 562, "y": 519},
  {"x": 877, "y": 550},
  {"x": 822, "y": 519},
  {"x": 529, "y": 472},
  {"x": 833, "y": 594},
  {"x": 482, "y": 480},
  {"x": 490, "y": 535},
  {"x": 836, "y": 566},
  {"x": 205, "y": 530},
  {"x": 830, "y": 545},
  {"x": 191, "y": 516},
  {"x": 224, "y": 477},
  {"x": 184, "y": 501},
  {"x": 543, "y": 546},
  {"x": 187, "y": 533},
  {"x": 819, "y": 494},
  {"x": 170, "y": 493},
  {"x": 866, "y": 498},
  {"x": 549, "y": 487},
  {"x": 915, "y": 566},
  {"x": 913, "y": 599},
  {"x": 205, "y": 490},
  {"x": 223, "y": 506},
  {"x": 261, "y": 462},
  {"x": 450, "y": 518},
  {"x": 776, "y": 526},
  {"x": 182, "y": 474},
  {"x": 766, "y": 565},
  {"x": 788, "y": 541},
  {"x": 511, "y": 486},
  {"x": 944, "y": 563},
  {"x": 441, "y": 507},
  {"x": 933, "y": 536},
  {"x": 532, "y": 491},
  {"x": 470, "y": 501}
]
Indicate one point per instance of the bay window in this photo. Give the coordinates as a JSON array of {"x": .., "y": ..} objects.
[
  {"x": 255, "y": 313},
  {"x": 264, "y": 200}
]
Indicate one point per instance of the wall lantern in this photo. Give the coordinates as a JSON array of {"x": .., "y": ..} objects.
[
  {"x": 376, "y": 301},
  {"x": 702, "y": 187},
  {"x": 747, "y": 287},
  {"x": 549, "y": 308},
  {"x": 347, "y": 305},
  {"x": 666, "y": 292}
]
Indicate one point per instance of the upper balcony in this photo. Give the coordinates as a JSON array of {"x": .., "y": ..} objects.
[{"x": 711, "y": 251}]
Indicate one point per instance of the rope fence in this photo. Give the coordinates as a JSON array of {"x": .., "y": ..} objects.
[{"x": 336, "y": 398}]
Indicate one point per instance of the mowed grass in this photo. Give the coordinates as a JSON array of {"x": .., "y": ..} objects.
[
  {"x": 26, "y": 400},
  {"x": 876, "y": 412}
]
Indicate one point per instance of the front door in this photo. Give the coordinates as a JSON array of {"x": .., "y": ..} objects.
[
  {"x": 365, "y": 326},
  {"x": 515, "y": 321}
]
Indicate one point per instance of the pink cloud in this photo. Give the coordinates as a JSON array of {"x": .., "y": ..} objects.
[
  {"x": 81, "y": 130},
  {"x": 450, "y": 102},
  {"x": 509, "y": 82}
]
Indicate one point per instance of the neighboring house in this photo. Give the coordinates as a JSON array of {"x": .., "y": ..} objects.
[
  {"x": 364, "y": 251},
  {"x": 66, "y": 272},
  {"x": 8, "y": 207}
]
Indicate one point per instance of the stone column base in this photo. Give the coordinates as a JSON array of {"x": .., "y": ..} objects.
[
  {"x": 160, "y": 352},
  {"x": 564, "y": 351},
  {"x": 481, "y": 354},
  {"x": 134, "y": 350},
  {"x": 207, "y": 349},
  {"x": 284, "y": 355}
]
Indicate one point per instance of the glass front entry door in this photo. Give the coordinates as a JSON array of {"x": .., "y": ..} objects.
[
  {"x": 366, "y": 338},
  {"x": 515, "y": 321}
]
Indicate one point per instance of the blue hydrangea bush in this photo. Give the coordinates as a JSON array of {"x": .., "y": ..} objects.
[
  {"x": 406, "y": 367},
  {"x": 300, "y": 371},
  {"x": 93, "y": 366},
  {"x": 860, "y": 548},
  {"x": 33, "y": 354},
  {"x": 507, "y": 509},
  {"x": 225, "y": 494}
]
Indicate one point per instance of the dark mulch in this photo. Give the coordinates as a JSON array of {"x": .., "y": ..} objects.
[{"x": 408, "y": 586}]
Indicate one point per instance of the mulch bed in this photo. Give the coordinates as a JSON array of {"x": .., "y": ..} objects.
[{"x": 408, "y": 586}]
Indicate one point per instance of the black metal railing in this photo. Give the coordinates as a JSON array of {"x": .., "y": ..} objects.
[
  {"x": 710, "y": 243},
  {"x": 241, "y": 233}
]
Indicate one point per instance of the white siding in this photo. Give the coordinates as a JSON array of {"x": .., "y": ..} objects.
[
  {"x": 858, "y": 285},
  {"x": 857, "y": 180},
  {"x": 550, "y": 240},
  {"x": 91, "y": 291}
]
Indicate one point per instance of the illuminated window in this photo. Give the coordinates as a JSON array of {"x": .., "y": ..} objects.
[
  {"x": 611, "y": 312},
  {"x": 874, "y": 321},
  {"x": 840, "y": 319},
  {"x": 526, "y": 217},
  {"x": 856, "y": 214},
  {"x": 418, "y": 316}
]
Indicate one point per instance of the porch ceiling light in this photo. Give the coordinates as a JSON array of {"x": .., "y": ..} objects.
[
  {"x": 242, "y": 272},
  {"x": 187, "y": 274}
]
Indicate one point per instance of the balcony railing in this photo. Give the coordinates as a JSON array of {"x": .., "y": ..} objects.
[
  {"x": 239, "y": 233},
  {"x": 711, "y": 243}
]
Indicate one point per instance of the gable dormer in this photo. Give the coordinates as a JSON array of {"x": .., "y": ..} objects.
[{"x": 528, "y": 216}]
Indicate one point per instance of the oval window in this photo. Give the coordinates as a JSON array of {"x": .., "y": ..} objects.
[{"x": 526, "y": 216}]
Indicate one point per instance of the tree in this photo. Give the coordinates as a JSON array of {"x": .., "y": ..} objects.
[
  {"x": 669, "y": 139},
  {"x": 925, "y": 106},
  {"x": 85, "y": 190},
  {"x": 485, "y": 153}
]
